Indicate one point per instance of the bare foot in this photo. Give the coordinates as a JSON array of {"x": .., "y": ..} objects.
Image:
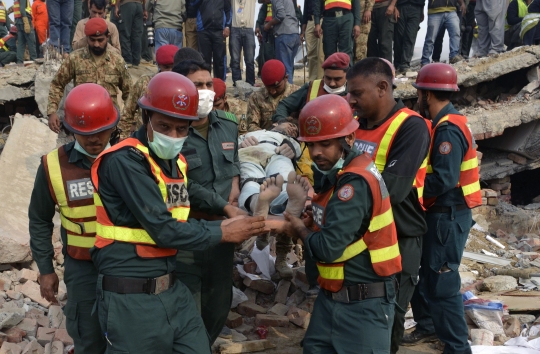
[
  {"x": 297, "y": 189},
  {"x": 270, "y": 189}
]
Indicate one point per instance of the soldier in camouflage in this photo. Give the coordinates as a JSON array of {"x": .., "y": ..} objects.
[
  {"x": 262, "y": 104},
  {"x": 132, "y": 112},
  {"x": 360, "y": 45},
  {"x": 235, "y": 107},
  {"x": 97, "y": 63}
]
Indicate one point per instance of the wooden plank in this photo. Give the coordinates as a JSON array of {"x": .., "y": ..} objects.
[{"x": 515, "y": 303}]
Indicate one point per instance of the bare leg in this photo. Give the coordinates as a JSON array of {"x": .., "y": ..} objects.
[
  {"x": 260, "y": 203},
  {"x": 297, "y": 189}
]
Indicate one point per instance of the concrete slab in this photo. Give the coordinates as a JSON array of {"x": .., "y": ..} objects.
[{"x": 28, "y": 141}]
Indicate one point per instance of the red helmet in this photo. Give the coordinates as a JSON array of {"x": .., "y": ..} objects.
[
  {"x": 89, "y": 109},
  {"x": 171, "y": 94},
  {"x": 13, "y": 30},
  {"x": 326, "y": 117},
  {"x": 437, "y": 77}
]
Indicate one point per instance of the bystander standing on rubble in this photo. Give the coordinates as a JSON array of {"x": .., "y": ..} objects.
[
  {"x": 60, "y": 19},
  {"x": 451, "y": 190},
  {"x": 135, "y": 254},
  {"x": 242, "y": 39},
  {"x": 40, "y": 20},
  {"x": 132, "y": 112},
  {"x": 168, "y": 20},
  {"x": 266, "y": 38},
  {"x": 95, "y": 63},
  {"x": 360, "y": 43},
  {"x": 411, "y": 14},
  {"x": 63, "y": 180},
  {"x": 190, "y": 27},
  {"x": 354, "y": 310},
  {"x": 97, "y": 8},
  {"x": 381, "y": 35},
  {"x": 8, "y": 47},
  {"x": 25, "y": 30},
  {"x": 130, "y": 15},
  {"x": 397, "y": 139},
  {"x": 314, "y": 45},
  {"x": 211, "y": 152},
  {"x": 468, "y": 23},
  {"x": 490, "y": 16}
]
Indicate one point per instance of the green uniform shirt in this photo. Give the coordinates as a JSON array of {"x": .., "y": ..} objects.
[
  {"x": 295, "y": 102},
  {"x": 318, "y": 11},
  {"x": 214, "y": 162},
  {"x": 11, "y": 44},
  {"x": 41, "y": 212},
  {"x": 345, "y": 222},
  {"x": 446, "y": 167},
  {"x": 132, "y": 198}
]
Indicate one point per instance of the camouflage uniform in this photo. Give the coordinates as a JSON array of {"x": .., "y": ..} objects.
[
  {"x": 261, "y": 107},
  {"x": 81, "y": 67},
  {"x": 238, "y": 108},
  {"x": 360, "y": 45},
  {"x": 132, "y": 114}
]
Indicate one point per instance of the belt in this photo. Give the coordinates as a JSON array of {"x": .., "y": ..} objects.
[
  {"x": 269, "y": 142},
  {"x": 445, "y": 209},
  {"x": 337, "y": 13},
  {"x": 139, "y": 285},
  {"x": 357, "y": 292}
]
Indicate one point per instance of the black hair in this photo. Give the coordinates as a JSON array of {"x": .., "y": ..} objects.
[
  {"x": 99, "y": 4},
  {"x": 442, "y": 95},
  {"x": 371, "y": 66},
  {"x": 187, "y": 53},
  {"x": 190, "y": 66}
]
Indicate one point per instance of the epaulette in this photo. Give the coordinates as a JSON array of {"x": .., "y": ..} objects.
[{"x": 226, "y": 116}]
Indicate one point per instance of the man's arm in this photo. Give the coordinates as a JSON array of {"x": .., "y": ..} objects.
[
  {"x": 343, "y": 221},
  {"x": 63, "y": 76},
  {"x": 408, "y": 151},
  {"x": 253, "y": 114},
  {"x": 125, "y": 80},
  {"x": 227, "y": 9},
  {"x": 318, "y": 7},
  {"x": 291, "y": 104},
  {"x": 278, "y": 12},
  {"x": 79, "y": 39},
  {"x": 356, "y": 10},
  {"x": 204, "y": 199},
  {"x": 40, "y": 214},
  {"x": 448, "y": 151},
  {"x": 512, "y": 13}
]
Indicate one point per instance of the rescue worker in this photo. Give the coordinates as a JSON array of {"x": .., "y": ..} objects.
[
  {"x": 451, "y": 190},
  {"x": 397, "y": 140},
  {"x": 351, "y": 235},
  {"x": 5, "y": 21},
  {"x": 97, "y": 8},
  {"x": 263, "y": 103},
  {"x": 211, "y": 152},
  {"x": 40, "y": 20},
  {"x": 142, "y": 308},
  {"x": 95, "y": 63},
  {"x": 63, "y": 180},
  {"x": 340, "y": 25},
  {"x": 132, "y": 112},
  {"x": 221, "y": 102},
  {"x": 334, "y": 81},
  {"x": 26, "y": 36},
  {"x": 8, "y": 47}
]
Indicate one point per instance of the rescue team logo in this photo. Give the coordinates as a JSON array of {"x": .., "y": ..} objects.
[
  {"x": 445, "y": 148},
  {"x": 346, "y": 192},
  {"x": 375, "y": 172},
  {"x": 227, "y": 146},
  {"x": 177, "y": 195},
  {"x": 365, "y": 146},
  {"x": 318, "y": 214},
  {"x": 180, "y": 102},
  {"x": 312, "y": 126},
  {"x": 80, "y": 189}
]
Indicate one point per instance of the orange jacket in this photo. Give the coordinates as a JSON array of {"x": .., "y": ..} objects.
[{"x": 40, "y": 19}]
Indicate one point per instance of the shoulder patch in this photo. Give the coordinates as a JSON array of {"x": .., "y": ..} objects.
[
  {"x": 226, "y": 116},
  {"x": 445, "y": 148},
  {"x": 346, "y": 192}
]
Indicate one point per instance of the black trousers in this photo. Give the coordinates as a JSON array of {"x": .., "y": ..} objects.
[
  {"x": 212, "y": 48},
  {"x": 405, "y": 31},
  {"x": 381, "y": 34},
  {"x": 467, "y": 35},
  {"x": 130, "y": 26}
]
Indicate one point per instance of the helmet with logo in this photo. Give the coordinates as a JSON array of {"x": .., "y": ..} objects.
[
  {"x": 171, "y": 94},
  {"x": 437, "y": 77},
  {"x": 89, "y": 109},
  {"x": 326, "y": 117}
]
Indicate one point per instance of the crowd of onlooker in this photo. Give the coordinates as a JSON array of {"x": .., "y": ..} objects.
[{"x": 359, "y": 28}]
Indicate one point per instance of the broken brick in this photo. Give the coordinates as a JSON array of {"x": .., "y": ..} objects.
[
  {"x": 262, "y": 285},
  {"x": 250, "y": 309},
  {"x": 27, "y": 275},
  {"x": 500, "y": 186},
  {"x": 301, "y": 275},
  {"x": 518, "y": 159},
  {"x": 31, "y": 290},
  {"x": 278, "y": 310},
  {"x": 271, "y": 320},
  {"x": 492, "y": 201},
  {"x": 63, "y": 336},
  {"x": 45, "y": 335},
  {"x": 10, "y": 348},
  {"x": 56, "y": 316},
  {"x": 282, "y": 291},
  {"x": 250, "y": 267},
  {"x": 490, "y": 193},
  {"x": 29, "y": 325},
  {"x": 15, "y": 335},
  {"x": 299, "y": 317},
  {"x": 234, "y": 320},
  {"x": 33, "y": 348}
]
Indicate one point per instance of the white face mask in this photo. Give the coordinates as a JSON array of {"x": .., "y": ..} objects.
[
  {"x": 80, "y": 149},
  {"x": 335, "y": 91},
  {"x": 164, "y": 146},
  {"x": 206, "y": 103}
]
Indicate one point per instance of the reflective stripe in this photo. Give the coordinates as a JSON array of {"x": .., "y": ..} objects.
[
  {"x": 268, "y": 13},
  {"x": 471, "y": 188},
  {"x": 380, "y": 159},
  {"x": 124, "y": 234},
  {"x": 331, "y": 272},
  {"x": 180, "y": 213},
  {"x": 315, "y": 86},
  {"x": 384, "y": 254},
  {"x": 55, "y": 174},
  {"x": 352, "y": 251},
  {"x": 89, "y": 227},
  {"x": 346, "y": 4},
  {"x": 380, "y": 221},
  {"x": 429, "y": 169},
  {"x": 468, "y": 165},
  {"x": 81, "y": 241},
  {"x": 420, "y": 191}
]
